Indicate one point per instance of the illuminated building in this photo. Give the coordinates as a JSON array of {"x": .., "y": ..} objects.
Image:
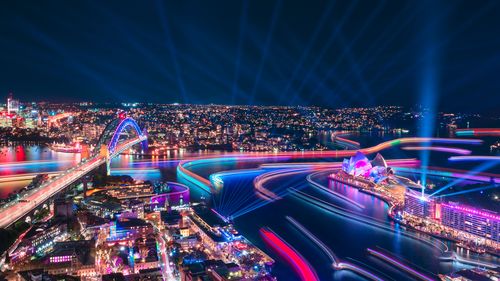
[
  {"x": 38, "y": 240},
  {"x": 416, "y": 205},
  {"x": 172, "y": 194},
  {"x": 102, "y": 207},
  {"x": 12, "y": 105},
  {"x": 128, "y": 229},
  {"x": 474, "y": 221},
  {"x": 359, "y": 166}
]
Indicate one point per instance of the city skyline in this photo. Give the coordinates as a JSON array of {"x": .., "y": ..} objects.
[{"x": 335, "y": 54}]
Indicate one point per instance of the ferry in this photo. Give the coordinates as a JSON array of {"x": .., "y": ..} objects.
[{"x": 72, "y": 148}]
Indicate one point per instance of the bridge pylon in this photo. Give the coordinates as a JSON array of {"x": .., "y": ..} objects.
[{"x": 104, "y": 152}]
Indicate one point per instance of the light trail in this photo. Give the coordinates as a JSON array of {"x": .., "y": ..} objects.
[
  {"x": 300, "y": 265},
  {"x": 6, "y": 165},
  {"x": 11, "y": 212},
  {"x": 360, "y": 271},
  {"x": 332, "y": 192},
  {"x": 364, "y": 219},
  {"x": 474, "y": 158},
  {"x": 336, "y": 138},
  {"x": 478, "y": 132},
  {"x": 453, "y": 173},
  {"x": 463, "y": 260},
  {"x": 399, "y": 265},
  {"x": 259, "y": 182},
  {"x": 439, "y": 149},
  {"x": 336, "y": 262},
  {"x": 27, "y": 176},
  {"x": 333, "y": 258},
  {"x": 205, "y": 184}
]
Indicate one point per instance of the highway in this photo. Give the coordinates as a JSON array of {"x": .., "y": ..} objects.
[{"x": 12, "y": 212}]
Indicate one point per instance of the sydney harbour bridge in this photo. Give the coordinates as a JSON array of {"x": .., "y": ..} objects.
[{"x": 118, "y": 136}]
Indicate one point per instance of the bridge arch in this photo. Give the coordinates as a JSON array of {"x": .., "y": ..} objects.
[{"x": 114, "y": 129}]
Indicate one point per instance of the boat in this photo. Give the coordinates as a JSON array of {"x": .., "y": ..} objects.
[{"x": 72, "y": 148}]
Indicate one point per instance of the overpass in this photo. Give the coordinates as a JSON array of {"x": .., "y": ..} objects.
[{"x": 13, "y": 211}]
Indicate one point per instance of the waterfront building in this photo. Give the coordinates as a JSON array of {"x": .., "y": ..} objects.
[
  {"x": 417, "y": 205},
  {"x": 481, "y": 223}
]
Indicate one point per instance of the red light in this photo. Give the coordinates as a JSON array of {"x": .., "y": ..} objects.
[{"x": 301, "y": 266}]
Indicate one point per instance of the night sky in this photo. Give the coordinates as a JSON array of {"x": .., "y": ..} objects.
[{"x": 329, "y": 53}]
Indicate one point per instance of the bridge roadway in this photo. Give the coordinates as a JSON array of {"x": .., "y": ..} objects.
[{"x": 12, "y": 212}]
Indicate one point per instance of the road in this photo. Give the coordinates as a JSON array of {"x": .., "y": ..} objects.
[{"x": 12, "y": 212}]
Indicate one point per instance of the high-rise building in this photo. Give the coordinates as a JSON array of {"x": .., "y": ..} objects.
[
  {"x": 478, "y": 222},
  {"x": 416, "y": 205},
  {"x": 12, "y": 105}
]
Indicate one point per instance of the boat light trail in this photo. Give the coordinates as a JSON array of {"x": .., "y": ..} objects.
[
  {"x": 300, "y": 265},
  {"x": 474, "y": 158},
  {"x": 399, "y": 265},
  {"x": 364, "y": 219},
  {"x": 439, "y": 149},
  {"x": 259, "y": 182},
  {"x": 336, "y": 262},
  {"x": 478, "y": 132},
  {"x": 333, "y": 258},
  {"x": 205, "y": 184},
  {"x": 332, "y": 192}
]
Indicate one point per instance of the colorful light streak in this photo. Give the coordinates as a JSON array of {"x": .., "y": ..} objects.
[
  {"x": 300, "y": 265},
  {"x": 332, "y": 192},
  {"x": 439, "y": 149},
  {"x": 478, "y": 132},
  {"x": 206, "y": 185},
  {"x": 360, "y": 271},
  {"x": 336, "y": 262},
  {"x": 259, "y": 182},
  {"x": 399, "y": 265},
  {"x": 10, "y": 213},
  {"x": 474, "y": 158},
  {"x": 364, "y": 219},
  {"x": 333, "y": 258}
]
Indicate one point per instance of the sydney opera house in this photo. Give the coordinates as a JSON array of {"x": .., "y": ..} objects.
[{"x": 359, "y": 165}]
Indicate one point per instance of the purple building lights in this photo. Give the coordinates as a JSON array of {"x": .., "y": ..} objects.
[{"x": 477, "y": 222}]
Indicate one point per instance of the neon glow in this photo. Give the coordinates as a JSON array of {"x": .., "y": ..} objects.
[
  {"x": 398, "y": 264},
  {"x": 474, "y": 158},
  {"x": 315, "y": 239},
  {"x": 470, "y": 210},
  {"x": 439, "y": 149},
  {"x": 364, "y": 219},
  {"x": 301, "y": 266},
  {"x": 206, "y": 185},
  {"x": 336, "y": 194},
  {"x": 478, "y": 132}
]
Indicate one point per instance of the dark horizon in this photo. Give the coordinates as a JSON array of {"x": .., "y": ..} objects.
[{"x": 331, "y": 54}]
